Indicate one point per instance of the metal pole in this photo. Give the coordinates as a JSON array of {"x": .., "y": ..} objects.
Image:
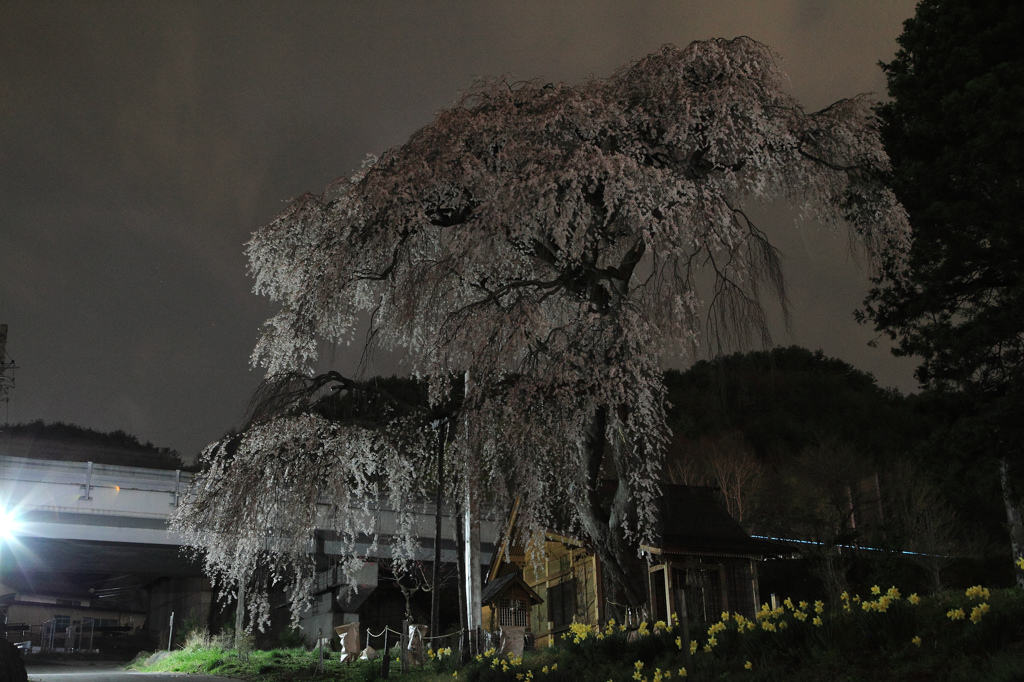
[
  {"x": 170, "y": 637},
  {"x": 88, "y": 483},
  {"x": 435, "y": 582}
]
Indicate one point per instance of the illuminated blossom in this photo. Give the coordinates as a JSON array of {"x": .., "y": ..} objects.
[{"x": 556, "y": 243}]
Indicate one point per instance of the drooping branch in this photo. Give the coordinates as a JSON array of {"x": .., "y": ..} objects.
[{"x": 556, "y": 241}]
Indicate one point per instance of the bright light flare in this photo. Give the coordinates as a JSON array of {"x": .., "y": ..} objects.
[{"x": 9, "y": 524}]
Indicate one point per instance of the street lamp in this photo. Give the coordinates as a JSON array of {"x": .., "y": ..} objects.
[{"x": 9, "y": 524}]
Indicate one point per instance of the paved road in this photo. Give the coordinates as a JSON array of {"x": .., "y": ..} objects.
[{"x": 105, "y": 671}]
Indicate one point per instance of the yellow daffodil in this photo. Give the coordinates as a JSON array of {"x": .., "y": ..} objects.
[
  {"x": 914, "y": 599},
  {"x": 748, "y": 665},
  {"x": 916, "y": 640},
  {"x": 817, "y": 621},
  {"x": 977, "y": 592}
]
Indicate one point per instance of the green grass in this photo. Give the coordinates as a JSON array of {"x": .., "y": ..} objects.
[
  {"x": 891, "y": 640},
  {"x": 270, "y": 666}
]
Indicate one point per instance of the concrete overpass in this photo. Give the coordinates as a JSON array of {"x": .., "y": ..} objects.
[
  {"x": 88, "y": 517},
  {"x": 83, "y": 517},
  {"x": 87, "y": 531}
]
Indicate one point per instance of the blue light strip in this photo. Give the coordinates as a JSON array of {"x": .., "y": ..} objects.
[{"x": 870, "y": 549}]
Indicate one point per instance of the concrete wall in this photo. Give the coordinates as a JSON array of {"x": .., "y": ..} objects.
[{"x": 188, "y": 598}]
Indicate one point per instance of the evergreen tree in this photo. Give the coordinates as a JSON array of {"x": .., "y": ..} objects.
[{"x": 955, "y": 133}]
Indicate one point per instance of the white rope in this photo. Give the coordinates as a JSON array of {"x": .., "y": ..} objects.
[{"x": 381, "y": 633}]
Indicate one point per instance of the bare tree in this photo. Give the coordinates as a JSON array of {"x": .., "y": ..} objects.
[
  {"x": 726, "y": 461},
  {"x": 554, "y": 242},
  {"x": 923, "y": 522}
]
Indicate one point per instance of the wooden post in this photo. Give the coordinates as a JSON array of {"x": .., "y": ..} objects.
[
  {"x": 403, "y": 645},
  {"x": 240, "y": 614},
  {"x": 685, "y": 621}
]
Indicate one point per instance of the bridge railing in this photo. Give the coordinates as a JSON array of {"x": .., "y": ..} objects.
[{"x": 90, "y": 488}]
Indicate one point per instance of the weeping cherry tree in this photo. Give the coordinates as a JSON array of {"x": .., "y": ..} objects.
[{"x": 538, "y": 249}]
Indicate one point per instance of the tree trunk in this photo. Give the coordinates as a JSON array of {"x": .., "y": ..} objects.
[
  {"x": 623, "y": 571},
  {"x": 1013, "y": 519}
]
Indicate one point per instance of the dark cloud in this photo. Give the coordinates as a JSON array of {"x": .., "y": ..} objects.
[{"x": 141, "y": 143}]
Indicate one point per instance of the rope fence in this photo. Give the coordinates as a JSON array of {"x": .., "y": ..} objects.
[{"x": 413, "y": 644}]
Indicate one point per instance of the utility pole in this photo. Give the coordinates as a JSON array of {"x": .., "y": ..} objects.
[
  {"x": 471, "y": 556},
  {"x": 7, "y": 367}
]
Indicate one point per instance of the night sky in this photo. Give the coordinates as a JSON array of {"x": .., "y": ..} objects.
[{"x": 141, "y": 143}]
